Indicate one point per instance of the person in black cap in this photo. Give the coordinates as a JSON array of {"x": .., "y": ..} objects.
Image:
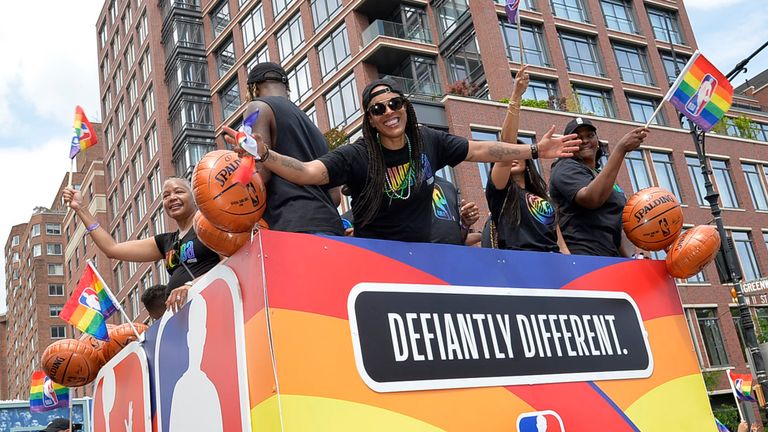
[
  {"x": 283, "y": 127},
  {"x": 57, "y": 425},
  {"x": 390, "y": 169},
  {"x": 589, "y": 203}
]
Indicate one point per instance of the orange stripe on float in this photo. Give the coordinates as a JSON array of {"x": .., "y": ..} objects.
[
  {"x": 261, "y": 379},
  {"x": 315, "y": 358},
  {"x": 673, "y": 357}
]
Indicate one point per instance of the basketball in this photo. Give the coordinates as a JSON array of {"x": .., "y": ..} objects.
[
  {"x": 229, "y": 206},
  {"x": 262, "y": 224},
  {"x": 222, "y": 242},
  {"x": 119, "y": 337},
  {"x": 97, "y": 345},
  {"x": 71, "y": 362},
  {"x": 693, "y": 250},
  {"x": 652, "y": 218}
]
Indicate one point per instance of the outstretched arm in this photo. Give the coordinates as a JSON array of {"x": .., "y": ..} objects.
[
  {"x": 497, "y": 151},
  {"x": 500, "y": 171},
  {"x": 293, "y": 170},
  {"x": 144, "y": 250}
]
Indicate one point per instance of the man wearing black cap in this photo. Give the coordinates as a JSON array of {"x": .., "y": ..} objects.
[
  {"x": 589, "y": 203},
  {"x": 286, "y": 128},
  {"x": 57, "y": 425}
]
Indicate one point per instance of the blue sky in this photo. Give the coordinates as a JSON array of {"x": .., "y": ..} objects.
[{"x": 49, "y": 66}]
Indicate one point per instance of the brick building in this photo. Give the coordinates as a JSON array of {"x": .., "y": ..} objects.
[{"x": 3, "y": 357}]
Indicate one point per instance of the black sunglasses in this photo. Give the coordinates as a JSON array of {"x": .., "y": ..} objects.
[{"x": 380, "y": 108}]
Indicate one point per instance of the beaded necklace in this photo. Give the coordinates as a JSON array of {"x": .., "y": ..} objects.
[{"x": 400, "y": 192}]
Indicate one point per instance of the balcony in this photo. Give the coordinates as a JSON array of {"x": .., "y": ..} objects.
[
  {"x": 418, "y": 89},
  {"x": 407, "y": 40},
  {"x": 382, "y": 8},
  {"x": 395, "y": 30}
]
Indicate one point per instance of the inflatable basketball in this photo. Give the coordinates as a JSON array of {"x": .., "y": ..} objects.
[
  {"x": 222, "y": 242},
  {"x": 229, "y": 206},
  {"x": 119, "y": 337},
  {"x": 262, "y": 224},
  {"x": 97, "y": 345},
  {"x": 693, "y": 250},
  {"x": 71, "y": 362},
  {"x": 652, "y": 218}
]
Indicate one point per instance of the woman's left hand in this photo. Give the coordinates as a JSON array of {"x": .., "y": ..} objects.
[
  {"x": 177, "y": 298},
  {"x": 521, "y": 83},
  {"x": 564, "y": 146},
  {"x": 470, "y": 213}
]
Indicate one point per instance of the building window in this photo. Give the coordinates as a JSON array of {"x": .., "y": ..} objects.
[
  {"x": 55, "y": 290},
  {"x": 58, "y": 332},
  {"x": 162, "y": 273},
  {"x": 225, "y": 58},
  {"x": 673, "y": 66},
  {"x": 633, "y": 64},
  {"x": 299, "y": 82},
  {"x": 261, "y": 56},
  {"x": 54, "y": 310},
  {"x": 128, "y": 223},
  {"x": 142, "y": 28},
  {"x": 570, "y": 9},
  {"x": 117, "y": 276},
  {"x": 118, "y": 77},
  {"x": 449, "y": 13},
  {"x": 149, "y": 103},
  {"x": 341, "y": 103},
  {"x": 484, "y": 167},
  {"x": 253, "y": 25},
  {"x": 595, "y": 101},
  {"x": 746, "y": 255},
  {"x": 107, "y": 100},
  {"x": 151, "y": 140},
  {"x": 533, "y": 41},
  {"x": 191, "y": 152},
  {"x": 138, "y": 164},
  {"x": 155, "y": 184},
  {"x": 103, "y": 35},
  {"x": 53, "y": 249},
  {"x": 712, "y": 337},
  {"x": 618, "y": 15},
  {"x": 133, "y": 91},
  {"x": 541, "y": 90},
  {"x": 220, "y": 18},
  {"x": 157, "y": 221},
  {"x": 145, "y": 64},
  {"x": 755, "y": 185},
  {"x": 35, "y": 230},
  {"x": 290, "y": 37},
  {"x": 665, "y": 173},
  {"x": 130, "y": 55},
  {"x": 581, "y": 54},
  {"x": 53, "y": 229},
  {"x": 37, "y": 250},
  {"x": 334, "y": 51},
  {"x": 721, "y": 172},
  {"x": 279, "y": 6},
  {"x": 230, "y": 99},
  {"x": 312, "y": 114},
  {"x": 133, "y": 297},
  {"x": 760, "y": 130},
  {"x": 15, "y": 241},
  {"x": 637, "y": 169},
  {"x": 193, "y": 112},
  {"x": 665, "y": 25},
  {"x": 55, "y": 269},
  {"x": 323, "y": 10},
  {"x": 694, "y": 170},
  {"x": 464, "y": 64},
  {"x": 642, "y": 109},
  {"x": 141, "y": 204}
]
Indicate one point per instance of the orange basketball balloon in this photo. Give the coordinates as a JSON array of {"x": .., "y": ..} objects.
[
  {"x": 262, "y": 224},
  {"x": 693, "y": 250},
  {"x": 71, "y": 362},
  {"x": 229, "y": 206},
  {"x": 222, "y": 242},
  {"x": 119, "y": 337},
  {"x": 652, "y": 218},
  {"x": 97, "y": 345}
]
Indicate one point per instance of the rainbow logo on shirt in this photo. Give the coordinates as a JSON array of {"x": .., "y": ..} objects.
[
  {"x": 440, "y": 204},
  {"x": 540, "y": 209}
]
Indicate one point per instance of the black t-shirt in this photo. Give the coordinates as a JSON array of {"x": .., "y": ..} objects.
[
  {"x": 585, "y": 231},
  {"x": 291, "y": 207},
  {"x": 537, "y": 230},
  {"x": 446, "y": 219},
  {"x": 408, "y": 219},
  {"x": 192, "y": 252}
]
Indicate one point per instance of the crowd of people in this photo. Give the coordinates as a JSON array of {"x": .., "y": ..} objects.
[{"x": 391, "y": 175}]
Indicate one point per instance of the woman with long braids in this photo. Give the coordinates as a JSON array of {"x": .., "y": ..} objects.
[
  {"x": 390, "y": 170},
  {"x": 522, "y": 217}
]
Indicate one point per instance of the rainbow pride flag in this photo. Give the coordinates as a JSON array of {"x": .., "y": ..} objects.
[
  {"x": 84, "y": 135},
  {"x": 90, "y": 305},
  {"x": 45, "y": 395},
  {"x": 721, "y": 427},
  {"x": 512, "y": 8},
  {"x": 701, "y": 92},
  {"x": 742, "y": 386}
]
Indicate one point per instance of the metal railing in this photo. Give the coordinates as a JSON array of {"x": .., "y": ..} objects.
[{"x": 418, "y": 33}]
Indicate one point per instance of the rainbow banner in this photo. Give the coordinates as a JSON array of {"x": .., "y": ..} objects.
[
  {"x": 90, "y": 305},
  {"x": 45, "y": 395},
  {"x": 742, "y": 386},
  {"x": 84, "y": 134},
  {"x": 701, "y": 92}
]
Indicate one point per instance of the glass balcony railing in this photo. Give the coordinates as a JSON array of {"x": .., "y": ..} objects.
[
  {"x": 418, "y": 88},
  {"x": 378, "y": 28}
]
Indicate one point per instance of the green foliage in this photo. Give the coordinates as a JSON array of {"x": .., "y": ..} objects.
[
  {"x": 743, "y": 124},
  {"x": 572, "y": 102},
  {"x": 335, "y": 137},
  {"x": 535, "y": 103},
  {"x": 504, "y": 100},
  {"x": 762, "y": 336},
  {"x": 463, "y": 88},
  {"x": 711, "y": 379},
  {"x": 728, "y": 415}
]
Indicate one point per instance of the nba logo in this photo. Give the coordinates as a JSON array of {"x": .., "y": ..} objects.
[
  {"x": 540, "y": 421},
  {"x": 49, "y": 395},
  {"x": 90, "y": 300},
  {"x": 121, "y": 393},
  {"x": 699, "y": 101}
]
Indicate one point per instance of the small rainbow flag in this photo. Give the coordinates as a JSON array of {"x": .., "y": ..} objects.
[
  {"x": 721, "y": 427},
  {"x": 244, "y": 139},
  {"x": 90, "y": 305},
  {"x": 701, "y": 92},
  {"x": 84, "y": 135},
  {"x": 45, "y": 395},
  {"x": 742, "y": 386}
]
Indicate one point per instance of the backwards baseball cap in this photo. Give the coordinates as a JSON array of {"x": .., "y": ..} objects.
[
  {"x": 577, "y": 123},
  {"x": 58, "y": 424},
  {"x": 369, "y": 94},
  {"x": 267, "y": 71}
]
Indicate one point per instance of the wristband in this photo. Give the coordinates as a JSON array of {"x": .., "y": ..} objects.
[
  {"x": 534, "y": 151},
  {"x": 92, "y": 228}
]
